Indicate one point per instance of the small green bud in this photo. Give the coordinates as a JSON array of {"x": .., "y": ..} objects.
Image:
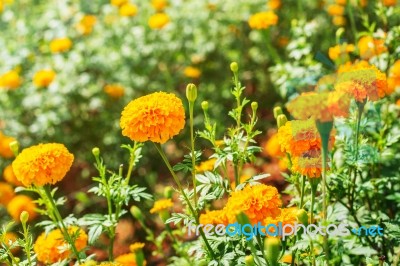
[
  {"x": 302, "y": 216},
  {"x": 272, "y": 246},
  {"x": 234, "y": 67},
  {"x": 24, "y": 217},
  {"x": 249, "y": 260},
  {"x": 277, "y": 111},
  {"x": 191, "y": 92},
  {"x": 137, "y": 213},
  {"x": 254, "y": 106},
  {"x": 96, "y": 152},
  {"x": 168, "y": 191},
  {"x": 204, "y": 105},
  {"x": 14, "y": 146},
  {"x": 281, "y": 120}
]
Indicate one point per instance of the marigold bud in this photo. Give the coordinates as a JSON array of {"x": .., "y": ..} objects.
[
  {"x": 14, "y": 146},
  {"x": 168, "y": 191},
  {"x": 191, "y": 92},
  {"x": 302, "y": 216},
  {"x": 234, "y": 67},
  {"x": 96, "y": 152},
  {"x": 249, "y": 260},
  {"x": 272, "y": 246},
  {"x": 136, "y": 212},
  {"x": 204, "y": 105},
  {"x": 277, "y": 111},
  {"x": 254, "y": 106},
  {"x": 24, "y": 217},
  {"x": 281, "y": 120}
]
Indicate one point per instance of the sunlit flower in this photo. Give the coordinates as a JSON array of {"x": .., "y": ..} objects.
[
  {"x": 10, "y": 80},
  {"x": 128, "y": 10},
  {"x": 340, "y": 50},
  {"x": 127, "y": 259},
  {"x": 6, "y": 193},
  {"x": 86, "y": 24},
  {"x": 285, "y": 216},
  {"x": 9, "y": 239},
  {"x": 52, "y": 247},
  {"x": 115, "y": 91},
  {"x": 161, "y": 205},
  {"x": 274, "y": 4},
  {"x": 339, "y": 21},
  {"x": 272, "y": 147},
  {"x": 192, "y": 72},
  {"x": 158, "y": 21},
  {"x": 60, "y": 45},
  {"x": 5, "y": 150},
  {"x": 369, "y": 47},
  {"x": 335, "y": 10},
  {"x": 43, "y": 78},
  {"x": 156, "y": 117},
  {"x": 308, "y": 164},
  {"x": 159, "y": 5},
  {"x": 394, "y": 77},
  {"x": 263, "y": 20},
  {"x": 9, "y": 176},
  {"x": 42, "y": 164},
  {"x": 119, "y": 2},
  {"x": 136, "y": 246},
  {"x": 19, "y": 204},
  {"x": 214, "y": 217},
  {"x": 206, "y": 165},
  {"x": 341, "y": 2}
]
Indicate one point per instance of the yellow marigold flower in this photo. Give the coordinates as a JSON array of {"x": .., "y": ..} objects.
[
  {"x": 339, "y": 21},
  {"x": 127, "y": 259},
  {"x": 257, "y": 202},
  {"x": 369, "y": 47},
  {"x": 52, "y": 247},
  {"x": 136, "y": 246},
  {"x": 158, "y": 21},
  {"x": 159, "y": 5},
  {"x": 60, "y": 45},
  {"x": 206, "y": 166},
  {"x": 19, "y": 204},
  {"x": 398, "y": 102},
  {"x": 8, "y": 239},
  {"x": 219, "y": 143},
  {"x": 272, "y": 146},
  {"x": 10, "y": 80},
  {"x": 161, "y": 205},
  {"x": 389, "y": 2},
  {"x": 9, "y": 176},
  {"x": 89, "y": 263},
  {"x": 214, "y": 217},
  {"x": 394, "y": 77},
  {"x": 335, "y": 10},
  {"x": 285, "y": 216},
  {"x": 341, "y": 2},
  {"x": 156, "y": 117},
  {"x": 340, "y": 50},
  {"x": 242, "y": 178},
  {"x": 42, "y": 164},
  {"x": 308, "y": 164},
  {"x": 6, "y": 193},
  {"x": 322, "y": 106},
  {"x": 5, "y": 150},
  {"x": 362, "y": 80},
  {"x": 86, "y": 24},
  {"x": 119, "y": 2},
  {"x": 192, "y": 72},
  {"x": 43, "y": 78},
  {"x": 128, "y": 10},
  {"x": 274, "y": 4},
  {"x": 114, "y": 90},
  {"x": 287, "y": 258},
  {"x": 263, "y": 20}
]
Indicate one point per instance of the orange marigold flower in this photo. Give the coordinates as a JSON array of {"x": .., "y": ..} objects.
[
  {"x": 341, "y": 2},
  {"x": 9, "y": 176},
  {"x": 322, "y": 106},
  {"x": 369, "y": 47},
  {"x": 52, "y": 247},
  {"x": 9, "y": 239},
  {"x": 119, "y": 2},
  {"x": 6, "y": 193},
  {"x": 273, "y": 147},
  {"x": 263, "y": 20},
  {"x": 335, "y": 10},
  {"x": 42, "y": 164},
  {"x": 206, "y": 165},
  {"x": 5, "y": 150},
  {"x": 60, "y": 45},
  {"x": 389, "y": 2},
  {"x": 19, "y": 204},
  {"x": 192, "y": 72},
  {"x": 43, "y": 78},
  {"x": 214, "y": 217},
  {"x": 340, "y": 50},
  {"x": 394, "y": 77},
  {"x": 156, "y": 117},
  {"x": 339, "y": 21},
  {"x": 287, "y": 258},
  {"x": 274, "y": 4},
  {"x": 159, "y": 5},
  {"x": 127, "y": 260},
  {"x": 285, "y": 216},
  {"x": 10, "y": 80},
  {"x": 86, "y": 24},
  {"x": 136, "y": 246},
  {"x": 158, "y": 21},
  {"x": 257, "y": 202},
  {"x": 115, "y": 91},
  {"x": 308, "y": 164},
  {"x": 362, "y": 80},
  {"x": 398, "y": 102},
  {"x": 161, "y": 205},
  {"x": 128, "y": 10}
]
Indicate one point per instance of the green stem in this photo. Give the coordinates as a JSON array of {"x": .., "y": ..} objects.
[
  {"x": 27, "y": 243},
  {"x": 324, "y": 196},
  {"x": 131, "y": 165},
  {"x": 352, "y": 21},
  {"x": 178, "y": 183},
  {"x": 191, "y": 105},
  {"x": 303, "y": 185},
  {"x": 271, "y": 50}
]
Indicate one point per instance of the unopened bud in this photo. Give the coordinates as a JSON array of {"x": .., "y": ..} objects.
[
  {"x": 137, "y": 213},
  {"x": 249, "y": 260},
  {"x": 24, "y": 217},
  {"x": 191, "y": 92},
  {"x": 96, "y": 152},
  {"x": 204, "y": 105},
  {"x": 168, "y": 191},
  {"x": 277, "y": 111},
  {"x": 254, "y": 106},
  {"x": 281, "y": 120},
  {"x": 272, "y": 246},
  {"x": 302, "y": 216},
  {"x": 14, "y": 147},
  {"x": 234, "y": 67}
]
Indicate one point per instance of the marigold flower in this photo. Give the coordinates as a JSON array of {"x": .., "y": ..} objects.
[
  {"x": 42, "y": 164},
  {"x": 52, "y": 247},
  {"x": 263, "y": 20},
  {"x": 6, "y": 193},
  {"x": 389, "y": 2},
  {"x": 274, "y": 4},
  {"x": 272, "y": 147},
  {"x": 394, "y": 77},
  {"x": 156, "y": 117},
  {"x": 158, "y": 21},
  {"x": 340, "y": 50},
  {"x": 341, "y": 2},
  {"x": 9, "y": 176},
  {"x": 285, "y": 216},
  {"x": 136, "y": 246},
  {"x": 161, "y": 205},
  {"x": 335, "y": 10},
  {"x": 127, "y": 260},
  {"x": 159, "y": 5},
  {"x": 287, "y": 258},
  {"x": 5, "y": 150},
  {"x": 114, "y": 90},
  {"x": 192, "y": 72},
  {"x": 60, "y": 45},
  {"x": 119, "y": 2},
  {"x": 339, "y": 21},
  {"x": 214, "y": 217},
  {"x": 206, "y": 165},
  {"x": 308, "y": 164},
  {"x": 19, "y": 204},
  {"x": 86, "y": 24},
  {"x": 9, "y": 239},
  {"x": 10, "y": 80},
  {"x": 128, "y": 10},
  {"x": 369, "y": 47},
  {"x": 43, "y": 78}
]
